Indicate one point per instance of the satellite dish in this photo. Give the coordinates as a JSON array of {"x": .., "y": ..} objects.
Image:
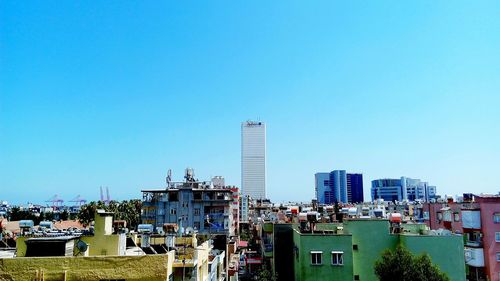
[
  {"x": 82, "y": 246},
  {"x": 189, "y": 230}
]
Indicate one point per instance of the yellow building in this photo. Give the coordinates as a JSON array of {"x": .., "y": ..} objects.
[{"x": 100, "y": 256}]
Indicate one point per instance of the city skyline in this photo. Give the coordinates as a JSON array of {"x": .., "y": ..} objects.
[{"x": 99, "y": 94}]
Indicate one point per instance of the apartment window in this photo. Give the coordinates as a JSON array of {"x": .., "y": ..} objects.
[
  {"x": 197, "y": 225},
  {"x": 173, "y": 211},
  {"x": 316, "y": 257},
  {"x": 498, "y": 257},
  {"x": 497, "y": 236},
  {"x": 197, "y": 211},
  {"x": 440, "y": 216},
  {"x": 173, "y": 196},
  {"x": 496, "y": 218},
  {"x": 337, "y": 258}
]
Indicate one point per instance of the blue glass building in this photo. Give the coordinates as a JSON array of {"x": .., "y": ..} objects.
[{"x": 338, "y": 186}]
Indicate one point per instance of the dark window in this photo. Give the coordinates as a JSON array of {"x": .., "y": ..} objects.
[
  {"x": 197, "y": 195},
  {"x": 355, "y": 247},
  {"x": 337, "y": 258},
  {"x": 316, "y": 258},
  {"x": 356, "y": 277},
  {"x": 173, "y": 196}
]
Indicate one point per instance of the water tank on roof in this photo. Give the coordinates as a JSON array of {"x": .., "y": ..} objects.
[
  {"x": 395, "y": 218},
  {"x": 26, "y": 224},
  {"x": 145, "y": 228},
  {"x": 313, "y": 216},
  {"x": 45, "y": 225},
  {"x": 302, "y": 217}
]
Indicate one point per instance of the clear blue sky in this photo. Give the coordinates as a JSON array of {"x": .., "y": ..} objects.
[{"x": 113, "y": 93}]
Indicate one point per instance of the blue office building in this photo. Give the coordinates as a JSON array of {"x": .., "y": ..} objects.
[
  {"x": 402, "y": 189},
  {"x": 338, "y": 186},
  {"x": 355, "y": 188}
]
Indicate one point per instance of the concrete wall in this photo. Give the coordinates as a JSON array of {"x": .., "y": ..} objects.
[
  {"x": 447, "y": 252},
  {"x": 363, "y": 243},
  {"x": 372, "y": 238},
  {"x": 302, "y": 261},
  {"x": 151, "y": 267}
]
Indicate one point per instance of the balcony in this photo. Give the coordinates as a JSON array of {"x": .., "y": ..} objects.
[
  {"x": 474, "y": 257},
  {"x": 471, "y": 219},
  {"x": 474, "y": 243}
]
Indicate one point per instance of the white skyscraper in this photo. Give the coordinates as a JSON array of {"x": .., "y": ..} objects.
[{"x": 253, "y": 159}]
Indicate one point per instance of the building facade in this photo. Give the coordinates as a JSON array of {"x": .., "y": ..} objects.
[
  {"x": 478, "y": 220},
  {"x": 349, "y": 251},
  {"x": 402, "y": 189},
  {"x": 338, "y": 186},
  {"x": 194, "y": 206},
  {"x": 253, "y": 159}
]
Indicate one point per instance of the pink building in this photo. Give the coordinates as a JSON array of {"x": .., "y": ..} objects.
[{"x": 478, "y": 220}]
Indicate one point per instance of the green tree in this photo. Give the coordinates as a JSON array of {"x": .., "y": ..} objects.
[
  {"x": 266, "y": 274},
  {"x": 64, "y": 215},
  {"x": 128, "y": 210},
  {"x": 401, "y": 265},
  {"x": 87, "y": 212}
]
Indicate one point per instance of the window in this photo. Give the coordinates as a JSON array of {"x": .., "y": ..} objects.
[
  {"x": 337, "y": 258},
  {"x": 197, "y": 225},
  {"x": 355, "y": 247},
  {"x": 173, "y": 196},
  {"x": 316, "y": 257},
  {"x": 440, "y": 216},
  {"x": 498, "y": 257},
  {"x": 197, "y": 195},
  {"x": 497, "y": 236},
  {"x": 356, "y": 277},
  {"x": 197, "y": 211},
  {"x": 496, "y": 218},
  {"x": 173, "y": 211},
  {"x": 456, "y": 216},
  {"x": 426, "y": 215}
]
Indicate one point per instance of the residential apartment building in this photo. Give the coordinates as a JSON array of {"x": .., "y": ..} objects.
[
  {"x": 477, "y": 218},
  {"x": 194, "y": 206},
  {"x": 110, "y": 253},
  {"x": 402, "y": 189},
  {"x": 245, "y": 204},
  {"x": 338, "y": 186},
  {"x": 98, "y": 255},
  {"x": 348, "y": 251},
  {"x": 253, "y": 159}
]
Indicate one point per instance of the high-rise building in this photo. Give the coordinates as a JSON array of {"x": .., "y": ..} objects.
[
  {"x": 338, "y": 186},
  {"x": 355, "y": 188},
  {"x": 253, "y": 159},
  {"x": 402, "y": 189}
]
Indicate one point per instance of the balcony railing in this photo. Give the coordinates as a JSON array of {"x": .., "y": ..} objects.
[{"x": 474, "y": 243}]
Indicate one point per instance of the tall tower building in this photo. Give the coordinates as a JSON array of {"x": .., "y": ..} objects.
[
  {"x": 253, "y": 159},
  {"x": 338, "y": 186}
]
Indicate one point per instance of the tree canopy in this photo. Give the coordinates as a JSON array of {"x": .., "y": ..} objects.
[
  {"x": 401, "y": 265},
  {"x": 128, "y": 210}
]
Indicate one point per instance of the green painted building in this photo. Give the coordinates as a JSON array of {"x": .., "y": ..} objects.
[{"x": 348, "y": 251}]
